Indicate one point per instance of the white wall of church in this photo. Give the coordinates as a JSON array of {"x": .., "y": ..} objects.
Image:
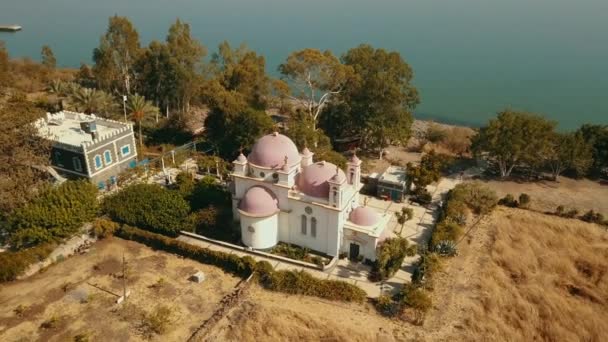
[
  {"x": 260, "y": 232},
  {"x": 325, "y": 237},
  {"x": 367, "y": 244}
]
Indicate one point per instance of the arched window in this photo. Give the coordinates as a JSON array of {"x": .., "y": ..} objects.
[
  {"x": 313, "y": 227},
  {"x": 303, "y": 224}
]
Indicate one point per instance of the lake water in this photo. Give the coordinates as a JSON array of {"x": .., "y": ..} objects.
[{"x": 471, "y": 58}]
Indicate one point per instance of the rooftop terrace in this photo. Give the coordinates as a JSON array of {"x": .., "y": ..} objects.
[{"x": 65, "y": 127}]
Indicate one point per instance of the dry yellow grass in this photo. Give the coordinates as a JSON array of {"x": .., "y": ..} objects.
[{"x": 545, "y": 279}]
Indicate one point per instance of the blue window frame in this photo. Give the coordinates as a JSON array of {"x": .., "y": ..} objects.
[
  {"x": 107, "y": 156},
  {"x": 125, "y": 150},
  {"x": 98, "y": 162}
]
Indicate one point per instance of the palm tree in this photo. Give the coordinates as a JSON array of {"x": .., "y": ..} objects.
[
  {"x": 86, "y": 100},
  {"x": 139, "y": 108},
  {"x": 403, "y": 216}
]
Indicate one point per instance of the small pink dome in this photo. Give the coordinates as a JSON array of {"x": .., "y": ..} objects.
[
  {"x": 354, "y": 159},
  {"x": 364, "y": 216},
  {"x": 306, "y": 152},
  {"x": 271, "y": 150},
  {"x": 259, "y": 201},
  {"x": 241, "y": 158},
  {"x": 313, "y": 178}
]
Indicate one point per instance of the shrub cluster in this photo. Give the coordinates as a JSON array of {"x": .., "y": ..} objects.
[
  {"x": 13, "y": 264},
  {"x": 293, "y": 282},
  {"x": 150, "y": 207},
  {"x": 510, "y": 201},
  {"x": 302, "y": 283},
  {"x": 389, "y": 257},
  {"x": 590, "y": 216},
  {"x": 57, "y": 213}
]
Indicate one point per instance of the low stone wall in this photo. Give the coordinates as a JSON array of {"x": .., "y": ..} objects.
[{"x": 260, "y": 253}]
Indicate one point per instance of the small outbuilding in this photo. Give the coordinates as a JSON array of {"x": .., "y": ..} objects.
[{"x": 392, "y": 184}]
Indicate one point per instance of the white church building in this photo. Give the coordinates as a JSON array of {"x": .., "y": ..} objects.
[{"x": 280, "y": 194}]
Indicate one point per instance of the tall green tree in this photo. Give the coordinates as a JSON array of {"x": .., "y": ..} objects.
[
  {"x": 597, "y": 137},
  {"x": 187, "y": 55},
  {"x": 569, "y": 151},
  {"x": 139, "y": 108},
  {"x": 48, "y": 57},
  {"x": 115, "y": 56},
  {"x": 243, "y": 71},
  {"x": 403, "y": 216},
  {"x": 230, "y": 131},
  {"x": 158, "y": 75},
  {"x": 514, "y": 139},
  {"x": 376, "y": 104},
  {"x": 315, "y": 76}
]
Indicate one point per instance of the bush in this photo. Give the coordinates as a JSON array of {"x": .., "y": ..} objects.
[
  {"x": 508, "y": 201},
  {"x": 524, "y": 201},
  {"x": 426, "y": 267},
  {"x": 149, "y": 206},
  {"x": 103, "y": 228},
  {"x": 158, "y": 321},
  {"x": 208, "y": 192},
  {"x": 389, "y": 257},
  {"x": 417, "y": 299},
  {"x": 446, "y": 231},
  {"x": 593, "y": 217},
  {"x": 478, "y": 197},
  {"x": 446, "y": 248},
  {"x": 13, "y": 264},
  {"x": 57, "y": 213},
  {"x": 572, "y": 213},
  {"x": 559, "y": 211},
  {"x": 455, "y": 211},
  {"x": 302, "y": 283},
  {"x": 435, "y": 133}
]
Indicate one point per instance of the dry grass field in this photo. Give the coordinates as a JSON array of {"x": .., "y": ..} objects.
[
  {"x": 67, "y": 299},
  {"x": 581, "y": 194},
  {"x": 525, "y": 276}
]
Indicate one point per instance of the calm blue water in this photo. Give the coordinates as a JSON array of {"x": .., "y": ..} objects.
[{"x": 471, "y": 57}]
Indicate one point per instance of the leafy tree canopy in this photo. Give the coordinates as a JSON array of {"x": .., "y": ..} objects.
[
  {"x": 24, "y": 154},
  {"x": 116, "y": 54},
  {"x": 515, "y": 138},
  {"x": 376, "y": 103}
]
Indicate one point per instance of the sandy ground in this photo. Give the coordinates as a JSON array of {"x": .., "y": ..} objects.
[
  {"x": 581, "y": 194},
  {"x": 66, "y": 291}
]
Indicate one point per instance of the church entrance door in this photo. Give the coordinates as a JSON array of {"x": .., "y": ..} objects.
[{"x": 354, "y": 251}]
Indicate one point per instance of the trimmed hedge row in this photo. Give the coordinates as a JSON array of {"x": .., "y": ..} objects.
[
  {"x": 13, "y": 264},
  {"x": 293, "y": 282},
  {"x": 302, "y": 283}
]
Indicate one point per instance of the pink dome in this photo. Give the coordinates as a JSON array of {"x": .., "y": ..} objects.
[
  {"x": 241, "y": 158},
  {"x": 259, "y": 201},
  {"x": 313, "y": 178},
  {"x": 364, "y": 216},
  {"x": 270, "y": 151}
]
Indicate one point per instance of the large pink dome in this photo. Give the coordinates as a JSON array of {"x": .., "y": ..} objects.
[
  {"x": 259, "y": 201},
  {"x": 364, "y": 216},
  {"x": 270, "y": 151},
  {"x": 313, "y": 178}
]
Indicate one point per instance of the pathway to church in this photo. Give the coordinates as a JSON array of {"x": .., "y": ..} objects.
[{"x": 417, "y": 230}]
